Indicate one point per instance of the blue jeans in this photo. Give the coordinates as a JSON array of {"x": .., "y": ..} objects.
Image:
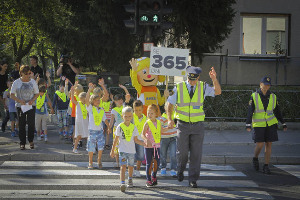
[
  {"x": 126, "y": 159},
  {"x": 139, "y": 155},
  {"x": 164, "y": 145}
]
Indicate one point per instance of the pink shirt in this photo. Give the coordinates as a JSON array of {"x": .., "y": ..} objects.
[{"x": 150, "y": 137}]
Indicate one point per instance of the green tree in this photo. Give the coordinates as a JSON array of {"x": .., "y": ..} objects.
[{"x": 201, "y": 25}]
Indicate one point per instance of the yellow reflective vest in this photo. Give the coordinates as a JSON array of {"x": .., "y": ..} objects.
[
  {"x": 187, "y": 109},
  {"x": 261, "y": 117},
  {"x": 139, "y": 124},
  {"x": 156, "y": 131},
  {"x": 128, "y": 130}
]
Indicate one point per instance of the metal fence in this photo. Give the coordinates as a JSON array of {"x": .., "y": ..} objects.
[{"x": 231, "y": 104}]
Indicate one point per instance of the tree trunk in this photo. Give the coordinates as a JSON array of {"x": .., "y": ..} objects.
[{"x": 19, "y": 52}]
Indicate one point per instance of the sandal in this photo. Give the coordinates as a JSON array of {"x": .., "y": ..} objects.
[
  {"x": 90, "y": 166},
  {"x": 107, "y": 147},
  {"x": 99, "y": 165},
  {"x": 22, "y": 147},
  {"x": 31, "y": 145}
]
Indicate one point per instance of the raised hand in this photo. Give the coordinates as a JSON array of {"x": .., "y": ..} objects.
[
  {"x": 134, "y": 64},
  {"x": 101, "y": 81},
  {"x": 123, "y": 87},
  {"x": 47, "y": 74},
  {"x": 76, "y": 84},
  {"x": 166, "y": 93},
  {"x": 213, "y": 73},
  {"x": 91, "y": 86}
]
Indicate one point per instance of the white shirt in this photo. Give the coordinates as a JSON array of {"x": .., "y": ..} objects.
[
  {"x": 124, "y": 145},
  {"x": 118, "y": 117},
  {"x": 24, "y": 90},
  {"x": 81, "y": 125},
  {"x": 92, "y": 125}
]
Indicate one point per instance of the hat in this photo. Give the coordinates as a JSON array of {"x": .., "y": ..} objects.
[
  {"x": 193, "y": 72},
  {"x": 266, "y": 80}
]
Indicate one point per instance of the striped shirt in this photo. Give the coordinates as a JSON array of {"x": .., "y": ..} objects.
[{"x": 171, "y": 132}]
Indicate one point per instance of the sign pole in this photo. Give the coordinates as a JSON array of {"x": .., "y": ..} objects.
[{"x": 167, "y": 85}]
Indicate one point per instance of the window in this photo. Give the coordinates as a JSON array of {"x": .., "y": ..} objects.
[{"x": 264, "y": 34}]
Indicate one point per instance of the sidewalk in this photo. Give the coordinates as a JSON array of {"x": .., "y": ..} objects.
[{"x": 224, "y": 143}]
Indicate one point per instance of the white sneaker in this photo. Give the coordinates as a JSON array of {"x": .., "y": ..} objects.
[
  {"x": 46, "y": 139},
  {"x": 39, "y": 138},
  {"x": 75, "y": 151},
  {"x": 137, "y": 173}
]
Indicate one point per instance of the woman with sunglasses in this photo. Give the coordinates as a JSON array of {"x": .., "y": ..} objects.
[{"x": 25, "y": 91}]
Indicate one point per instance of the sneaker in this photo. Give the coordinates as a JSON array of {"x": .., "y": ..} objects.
[
  {"x": 149, "y": 184},
  {"x": 13, "y": 134},
  {"x": 46, "y": 139},
  {"x": 130, "y": 183},
  {"x": 42, "y": 134},
  {"x": 80, "y": 143},
  {"x": 163, "y": 171},
  {"x": 154, "y": 181},
  {"x": 266, "y": 169},
  {"x": 3, "y": 129},
  {"x": 35, "y": 132},
  {"x": 123, "y": 187},
  {"x": 255, "y": 164},
  {"x": 61, "y": 137},
  {"x": 16, "y": 132},
  {"x": 137, "y": 173},
  {"x": 75, "y": 151},
  {"x": 173, "y": 173},
  {"x": 39, "y": 138}
]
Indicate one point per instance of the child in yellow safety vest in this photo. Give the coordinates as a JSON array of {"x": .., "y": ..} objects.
[
  {"x": 96, "y": 119},
  {"x": 116, "y": 116},
  {"x": 77, "y": 90},
  {"x": 41, "y": 112},
  {"x": 126, "y": 135},
  {"x": 152, "y": 136},
  {"x": 61, "y": 100},
  {"x": 81, "y": 118},
  {"x": 139, "y": 119},
  {"x": 105, "y": 105}
]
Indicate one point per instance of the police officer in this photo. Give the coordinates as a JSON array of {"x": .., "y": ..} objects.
[
  {"x": 189, "y": 97},
  {"x": 264, "y": 113}
]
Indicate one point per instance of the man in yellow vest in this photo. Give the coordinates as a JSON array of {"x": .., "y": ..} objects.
[
  {"x": 264, "y": 113},
  {"x": 189, "y": 97}
]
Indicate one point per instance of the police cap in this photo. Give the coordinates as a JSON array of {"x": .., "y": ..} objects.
[
  {"x": 266, "y": 80},
  {"x": 193, "y": 72}
]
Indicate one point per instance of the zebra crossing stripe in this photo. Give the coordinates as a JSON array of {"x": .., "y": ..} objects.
[
  {"x": 43, "y": 172},
  {"x": 135, "y": 194},
  {"x": 291, "y": 169},
  {"x": 138, "y": 182},
  {"x": 105, "y": 164}
]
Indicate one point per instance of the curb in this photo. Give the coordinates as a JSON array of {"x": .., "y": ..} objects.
[{"x": 221, "y": 160}]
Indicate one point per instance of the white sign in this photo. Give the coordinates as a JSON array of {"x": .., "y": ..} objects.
[
  {"x": 168, "y": 61},
  {"x": 147, "y": 46}
]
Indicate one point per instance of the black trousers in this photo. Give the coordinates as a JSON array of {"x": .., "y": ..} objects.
[
  {"x": 26, "y": 118},
  {"x": 4, "y": 123}
]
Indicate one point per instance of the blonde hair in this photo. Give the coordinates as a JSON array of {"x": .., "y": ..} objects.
[
  {"x": 145, "y": 62},
  {"x": 78, "y": 89},
  {"x": 92, "y": 99},
  {"x": 82, "y": 95},
  {"x": 126, "y": 110},
  {"x": 98, "y": 91}
]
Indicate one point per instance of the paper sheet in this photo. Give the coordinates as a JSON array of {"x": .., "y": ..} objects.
[{"x": 26, "y": 107}]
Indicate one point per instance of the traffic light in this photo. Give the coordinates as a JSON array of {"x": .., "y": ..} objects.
[
  {"x": 150, "y": 12},
  {"x": 132, "y": 23}
]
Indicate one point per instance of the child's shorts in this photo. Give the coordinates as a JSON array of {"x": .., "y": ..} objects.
[
  {"x": 95, "y": 138},
  {"x": 139, "y": 155},
  {"x": 63, "y": 118},
  {"x": 116, "y": 149},
  {"x": 13, "y": 116},
  {"x": 126, "y": 158},
  {"x": 41, "y": 122}
]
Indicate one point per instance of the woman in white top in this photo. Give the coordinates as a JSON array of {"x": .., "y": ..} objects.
[{"x": 25, "y": 91}]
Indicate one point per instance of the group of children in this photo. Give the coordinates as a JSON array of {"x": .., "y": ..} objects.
[{"x": 94, "y": 116}]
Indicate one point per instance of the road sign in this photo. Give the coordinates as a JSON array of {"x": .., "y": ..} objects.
[{"x": 168, "y": 61}]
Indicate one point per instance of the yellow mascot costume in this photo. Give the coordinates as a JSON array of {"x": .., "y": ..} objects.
[{"x": 145, "y": 83}]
